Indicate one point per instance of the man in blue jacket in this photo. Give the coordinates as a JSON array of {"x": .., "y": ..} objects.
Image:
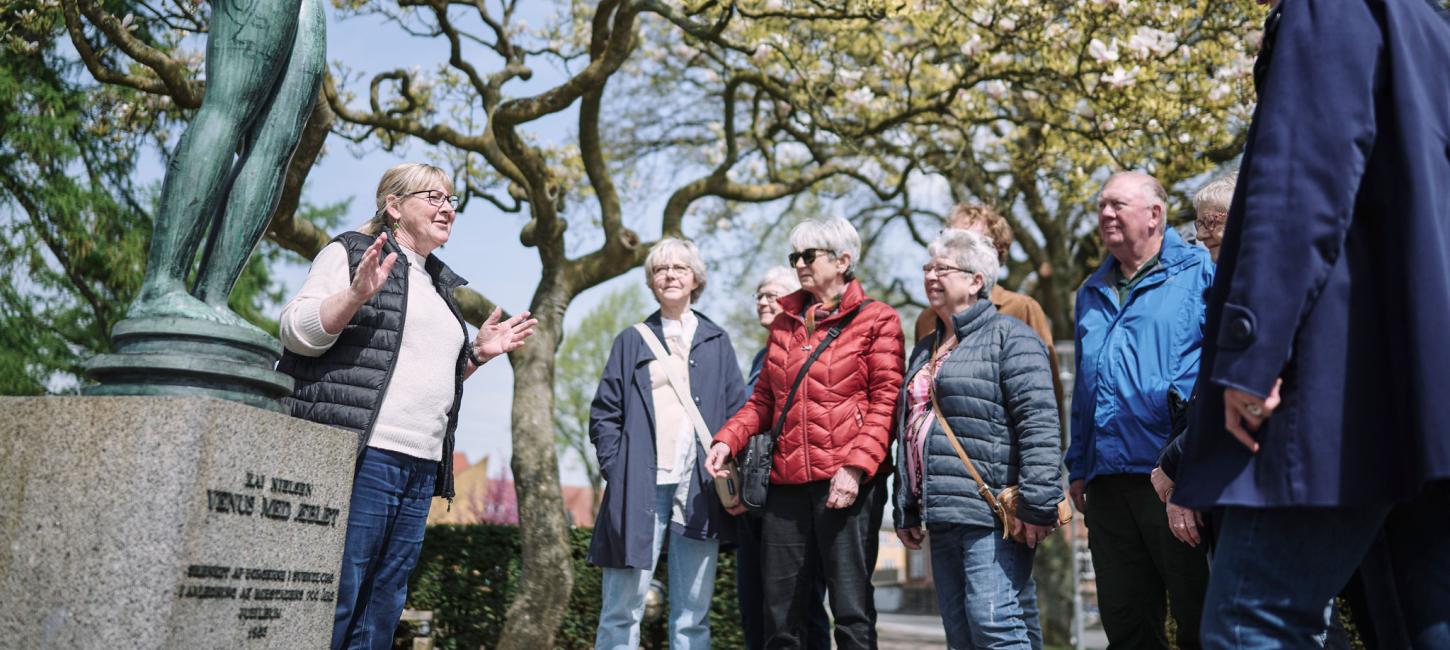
[
  {"x": 1139, "y": 331},
  {"x": 1323, "y": 403}
]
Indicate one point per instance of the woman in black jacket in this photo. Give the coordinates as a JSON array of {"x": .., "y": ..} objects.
[
  {"x": 991, "y": 378},
  {"x": 378, "y": 347}
]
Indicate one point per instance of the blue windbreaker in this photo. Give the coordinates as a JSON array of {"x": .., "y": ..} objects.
[{"x": 1129, "y": 356}]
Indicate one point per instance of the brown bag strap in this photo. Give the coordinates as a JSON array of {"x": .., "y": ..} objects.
[{"x": 982, "y": 488}]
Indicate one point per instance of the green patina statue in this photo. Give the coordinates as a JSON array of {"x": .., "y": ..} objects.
[{"x": 264, "y": 65}]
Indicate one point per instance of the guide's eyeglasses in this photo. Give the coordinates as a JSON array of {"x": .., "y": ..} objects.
[
  {"x": 808, "y": 255},
  {"x": 436, "y": 198}
]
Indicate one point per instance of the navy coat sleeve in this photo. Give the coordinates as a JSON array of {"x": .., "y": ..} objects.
[
  {"x": 606, "y": 411},
  {"x": 1315, "y": 127}
]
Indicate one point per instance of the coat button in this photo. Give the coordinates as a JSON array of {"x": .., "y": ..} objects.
[
  {"x": 697, "y": 400},
  {"x": 1240, "y": 329},
  {"x": 692, "y": 363}
]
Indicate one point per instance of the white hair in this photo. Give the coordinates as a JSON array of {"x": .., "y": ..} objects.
[
  {"x": 781, "y": 277},
  {"x": 671, "y": 249},
  {"x": 970, "y": 252},
  {"x": 832, "y": 234},
  {"x": 1217, "y": 194}
]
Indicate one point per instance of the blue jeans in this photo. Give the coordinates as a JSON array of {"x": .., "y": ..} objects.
[
  {"x": 390, "y": 498},
  {"x": 1276, "y": 570},
  {"x": 692, "y": 583},
  {"x": 984, "y": 588}
]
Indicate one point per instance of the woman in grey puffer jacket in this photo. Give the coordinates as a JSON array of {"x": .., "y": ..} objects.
[{"x": 994, "y": 385}]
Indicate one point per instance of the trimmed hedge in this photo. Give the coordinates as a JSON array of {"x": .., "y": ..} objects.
[{"x": 467, "y": 576}]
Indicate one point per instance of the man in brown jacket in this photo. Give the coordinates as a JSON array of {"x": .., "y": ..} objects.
[{"x": 985, "y": 221}]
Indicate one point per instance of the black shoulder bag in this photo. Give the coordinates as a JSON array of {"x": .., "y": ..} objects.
[{"x": 760, "y": 449}]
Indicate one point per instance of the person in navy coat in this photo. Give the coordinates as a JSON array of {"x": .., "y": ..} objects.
[
  {"x": 656, "y": 486},
  {"x": 1323, "y": 419}
]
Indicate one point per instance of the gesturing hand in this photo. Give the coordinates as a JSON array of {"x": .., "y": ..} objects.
[
  {"x": 370, "y": 274},
  {"x": 495, "y": 338}
]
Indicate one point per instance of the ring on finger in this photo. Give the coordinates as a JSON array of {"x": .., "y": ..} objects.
[{"x": 1255, "y": 410}]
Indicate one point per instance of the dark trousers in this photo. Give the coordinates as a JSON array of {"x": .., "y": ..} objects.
[
  {"x": 750, "y": 589},
  {"x": 800, "y": 533},
  {"x": 1136, "y": 560}
]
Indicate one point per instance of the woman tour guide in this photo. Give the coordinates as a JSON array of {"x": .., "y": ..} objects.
[{"x": 378, "y": 347}]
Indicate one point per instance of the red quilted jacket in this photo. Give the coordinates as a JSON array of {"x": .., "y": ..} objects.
[{"x": 843, "y": 412}]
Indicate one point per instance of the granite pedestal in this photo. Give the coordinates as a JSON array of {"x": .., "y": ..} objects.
[{"x": 168, "y": 522}]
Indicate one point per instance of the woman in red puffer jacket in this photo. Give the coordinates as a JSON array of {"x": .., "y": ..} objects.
[{"x": 826, "y": 489}]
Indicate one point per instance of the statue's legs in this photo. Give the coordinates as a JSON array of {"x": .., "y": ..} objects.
[
  {"x": 246, "y": 51},
  {"x": 258, "y": 183}
]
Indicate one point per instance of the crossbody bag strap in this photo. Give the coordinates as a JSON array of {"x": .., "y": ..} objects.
[
  {"x": 831, "y": 335},
  {"x": 678, "y": 384},
  {"x": 982, "y": 488}
]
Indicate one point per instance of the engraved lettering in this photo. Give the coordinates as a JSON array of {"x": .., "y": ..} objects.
[
  {"x": 230, "y": 502},
  {"x": 277, "y": 594},
  {"x": 297, "y": 488},
  {"x": 312, "y": 576},
  {"x": 313, "y": 514},
  {"x": 207, "y": 571},
  {"x": 209, "y": 591},
  {"x": 255, "y": 481},
  {"x": 278, "y": 509},
  {"x": 258, "y": 632},
  {"x": 277, "y": 575},
  {"x": 259, "y": 614}
]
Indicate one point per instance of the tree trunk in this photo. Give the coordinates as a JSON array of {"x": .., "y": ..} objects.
[{"x": 547, "y": 576}]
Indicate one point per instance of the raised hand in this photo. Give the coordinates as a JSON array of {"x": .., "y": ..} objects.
[
  {"x": 497, "y": 338},
  {"x": 371, "y": 275}
]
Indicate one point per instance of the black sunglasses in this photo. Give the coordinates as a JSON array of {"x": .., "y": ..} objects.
[{"x": 808, "y": 255}]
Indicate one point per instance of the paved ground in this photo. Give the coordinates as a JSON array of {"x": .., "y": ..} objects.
[{"x": 909, "y": 632}]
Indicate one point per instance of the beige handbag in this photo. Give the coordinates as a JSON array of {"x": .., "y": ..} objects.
[{"x": 726, "y": 487}]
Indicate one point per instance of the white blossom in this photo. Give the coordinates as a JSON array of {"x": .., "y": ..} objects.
[{"x": 1103, "y": 53}]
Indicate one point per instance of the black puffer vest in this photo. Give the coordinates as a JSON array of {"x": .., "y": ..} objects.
[{"x": 344, "y": 387}]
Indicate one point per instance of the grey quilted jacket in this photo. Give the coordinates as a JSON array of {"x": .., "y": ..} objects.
[{"x": 996, "y": 391}]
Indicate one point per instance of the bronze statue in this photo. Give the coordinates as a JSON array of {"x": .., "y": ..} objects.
[{"x": 264, "y": 65}]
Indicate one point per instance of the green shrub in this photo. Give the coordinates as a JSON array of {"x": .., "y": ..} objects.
[{"x": 467, "y": 576}]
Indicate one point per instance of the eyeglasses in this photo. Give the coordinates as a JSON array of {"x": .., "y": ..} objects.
[
  {"x": 940, "y": 270},
  {"x": 677, "y": 270},
  {"x": 1211, "y": 219},
  {"x": 436, "y": 198},
  {"x": 808, "y": 255},
  {"x": 767, "y": 296}
]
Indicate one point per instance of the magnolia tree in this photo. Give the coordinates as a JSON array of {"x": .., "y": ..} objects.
[{"x": 1023, "y": 105}]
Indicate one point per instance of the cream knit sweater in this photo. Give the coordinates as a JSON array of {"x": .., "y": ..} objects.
[{"x": 414, "y": 415}]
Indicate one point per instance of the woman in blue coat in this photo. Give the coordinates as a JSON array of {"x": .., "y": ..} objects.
[{"x": 650, "y": 457}]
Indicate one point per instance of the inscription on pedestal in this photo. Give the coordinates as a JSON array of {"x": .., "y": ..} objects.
[{"x": 264, "y": 594}]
